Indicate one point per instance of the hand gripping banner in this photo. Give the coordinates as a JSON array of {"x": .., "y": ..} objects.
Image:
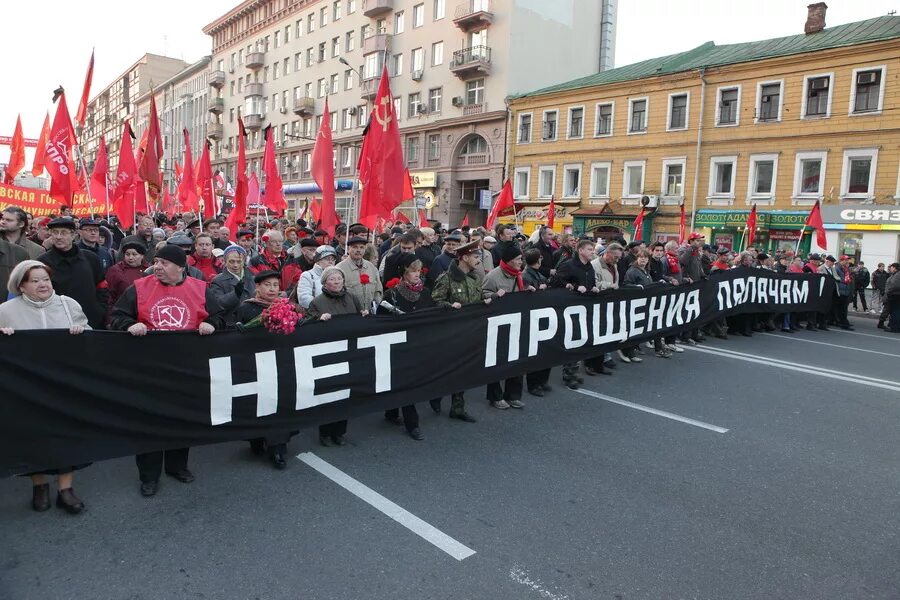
[{"x": 71, "y": 399}]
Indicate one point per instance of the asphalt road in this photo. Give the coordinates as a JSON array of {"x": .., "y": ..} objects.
[{"x": 769, "y": 470}]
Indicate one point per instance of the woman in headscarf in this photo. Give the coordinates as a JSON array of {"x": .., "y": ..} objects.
[
  {"x": 37, "y": 306},
  {"x": 234, "y": 284},
  {"x": 334, "y": 300}
]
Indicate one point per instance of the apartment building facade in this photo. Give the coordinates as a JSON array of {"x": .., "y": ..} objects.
[
  {"x": 779, "y": 123},
  {"x": 452, "y": 65},
  {"x": 118, "y": 101}
]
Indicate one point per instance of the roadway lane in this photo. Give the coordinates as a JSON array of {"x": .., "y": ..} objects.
[{"x": 574, "y": 497}]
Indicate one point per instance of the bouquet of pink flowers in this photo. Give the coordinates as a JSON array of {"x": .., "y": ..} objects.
[{"x": 280, "y": 317}]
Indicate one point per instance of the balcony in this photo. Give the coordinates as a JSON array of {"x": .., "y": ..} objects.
[
  {"x": 471, "y": 160},
  {"x": 255, "y": 60},
  {"x": 253, "y": 89},
  {"x": 376, "y": 8},
  {"x": 305, "y": 107},
  {"x": 473, "y": 15},
  {"x": 377, "y": 42},
  {"x": 471, "y": 62},
  {"x": 253, "y": 122},
  {"x": 216, "y": 105},
  {"x": 217, "y": 79},
  {"x": 369, "y": 88},
  {"x": 475, "y": 108},
  {"x": 214, "y": 131}
]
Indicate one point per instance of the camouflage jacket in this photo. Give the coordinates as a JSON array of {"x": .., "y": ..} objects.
[{"x": 455, "y": 286}]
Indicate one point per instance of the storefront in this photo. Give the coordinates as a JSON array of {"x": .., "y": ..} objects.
[
  {"x": 600, "y": 224},
  {"x": 870, "y": 233},
  {"x": 533, "y": 217},
  {"x": 775, "y": 229},
  {"x": 299, "y": 196}
]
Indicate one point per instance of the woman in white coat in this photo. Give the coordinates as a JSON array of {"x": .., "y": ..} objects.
[
  {"x": 37, "y": 306},
  {"x": 310, "y": 284}
]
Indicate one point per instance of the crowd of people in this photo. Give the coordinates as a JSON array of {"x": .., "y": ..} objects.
[{"x": 182, "y": 273}]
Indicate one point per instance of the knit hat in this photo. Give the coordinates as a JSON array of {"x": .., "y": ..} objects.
[
  {"x": 173, "y": 254},
  {"x": 510, "y": 252},
  {"x": 328, "y": 272},
  {"x": 234, "y": 248},
  {"x": 159, "y": 231}
]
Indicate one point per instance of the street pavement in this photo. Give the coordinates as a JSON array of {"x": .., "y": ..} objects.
[{"x": 769, "y": 469}]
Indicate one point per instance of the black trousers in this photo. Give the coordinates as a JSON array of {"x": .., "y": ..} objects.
[
  {"x": 861, "y": 293},
  {"x": 333, "y": 429},
  {"x": 513, "y": 391},
  {"x": 536, "y": 378},
  {"x": 840, "y": 306},
  {"x": 410, "y": 416},
  {"x": 150, "y": 464}
]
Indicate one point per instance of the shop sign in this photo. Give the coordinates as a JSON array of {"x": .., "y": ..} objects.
[
  {"x": 723, "y": 240},
  {"x": 534, "y": 213},
  {"x": 423, "y": 179},
  {"x": 484, "y": 200},
  {"x": 872, "y": 215},
  {"x": 784, "y": 235}
]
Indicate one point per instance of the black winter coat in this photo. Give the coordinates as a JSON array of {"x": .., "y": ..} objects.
[
  {"x": 77, "y": 274},
  {"x": 575, "y": 272}
]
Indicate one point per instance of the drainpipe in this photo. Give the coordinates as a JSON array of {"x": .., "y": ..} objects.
[
  {"x": 699, "y": 146},
  {"x": 506, "y": 143}
]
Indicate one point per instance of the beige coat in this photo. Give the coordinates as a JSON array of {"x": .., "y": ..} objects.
[
  {"x": 605, "y": 279},
  {"x": 364, "y": 293}
]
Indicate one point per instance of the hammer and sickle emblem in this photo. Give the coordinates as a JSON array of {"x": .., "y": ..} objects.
[{"x": 384, "y": 117}]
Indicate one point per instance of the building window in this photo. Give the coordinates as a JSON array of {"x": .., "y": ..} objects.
[
  {"x": 351, "y": 6},
  {"x": 768, "y": 100},
  {"x": 440, "y": 9},
  {"x": 673, "y": 177},
  {"x": 600, "y": 179},
  {"x": 572, "y": 181},
  {"x": 398, "y": 103},
  {"x": 418, "y": 15},
  {"x": 399, "y": 22},
  {"x": 276, "y": 70},
  {"x": 729, "y": 106},
  {"x": 435, "y": 100},
  {"x": 308, "y": 89},
  {"x": 298, "y": 28},
  {"x": 548, "y": 127},
  {"x": 678, "y": 111},
  {"x": 414, "y": 104},
  {"x": 322, "y": 88},
  {"x": 322, "y": 51},
  {"x": 361, "y": 116},
  {"x": 346, "y": 157},
  {"x": 323, "y": 16},
  {"x": 816, "y": 96},
  {"x": 306, "y": 163},
  {"x": 763, "y": 177},
  {"x": 417, "y": 60},
  {"x": 858, "y": 174},
  {"x": 546, "y": 181},
  {"x": 437, "y": 54},
  {"x": 350, "y": 41},
  {"x": 348, "y": 79},
  {"x": 434, "y": 146},
  {"x": 335, "y": 47},
  {"x": 310, "y": 22},
  {"x": 333, "y": 85},
  {"x": 396, "y": 65},
  {"x": 637, "y": 109},
  {"x": 346, "y": 119},
  {"x": 722, "y": 171},
  {"x": 633, "y": 181},
  {"x": 524, "y": 128},
  {"x": 474, "y": 91},
  {"x": 309, "y": 57},
  {"x": 412, "y": 149},
  {"x": 576, "y": 122},
  {"x": 522, "y": 182},
  {"x": 867, "y": 93},
  {"x": 336, "y": 12},
  {"x": 604, "y": 126}
]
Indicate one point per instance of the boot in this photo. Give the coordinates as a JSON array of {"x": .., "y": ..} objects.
[
  {"x": 69, "y": 502},
  {"x": 40, "y": 497}
]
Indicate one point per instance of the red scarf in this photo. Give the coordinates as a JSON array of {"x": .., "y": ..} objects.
[
  {"x": 520, "y": 284},
  {"x": 673, "y": 263}
]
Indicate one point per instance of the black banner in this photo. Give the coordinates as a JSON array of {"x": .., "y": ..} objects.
[{"x": 74, "y": 399}]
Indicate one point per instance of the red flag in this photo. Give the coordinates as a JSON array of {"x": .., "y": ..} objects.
[
  {"x": 814, "y": 219},
  {"x": 423, "y": 220},
  {"x": 323, "y": 173},
  {"x": 253, "y": 191},
  {"x": 126, "y": 180},
  {"x": 205, "y": 183},
  {"x": 639, "y": 226},
  {"x": 167, "y": 206},
  {"x": 382, "y": 169},
  {"x": 465, "y": 220},
  {"x": 37, "y": 166},
  {"x": 16, "y": 153},
  {"x": 408, "y": 192},
  {"x": 149, "y": 165},
  {"x": 551, "y": 213},
  {"x": 81, "y": 114},
  {"x": 315, "y": 209},
  {"x": 99, "y": 184},
  {"x": 401, "y": 216},
  {"x": 239, "y": 212},
  {"x": 751, "y": 226},
  {"x": 503, "y": 206},
  {"x": 187, "y": 189},
  {"x": 58, "y": 154},
  {"x": 177, "y": 171},
  {"x": 681, "y": 225},
  {"x": 273, "y": 197}
]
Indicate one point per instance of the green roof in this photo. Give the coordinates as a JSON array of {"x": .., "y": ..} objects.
[{"x": 710, "y": 55}]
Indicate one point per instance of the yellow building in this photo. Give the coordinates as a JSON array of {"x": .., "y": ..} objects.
[{"x": 778, "y": 123}]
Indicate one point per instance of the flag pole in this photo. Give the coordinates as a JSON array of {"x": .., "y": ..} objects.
[
  {"x": 741, "y": 245},
  {"x": 87, "y": 188},
  {"x": 799, "y": 240},
  {"x": 106, "y": 188}
]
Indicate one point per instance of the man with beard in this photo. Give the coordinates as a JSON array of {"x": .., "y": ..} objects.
[{"x": 14, "y": 226}]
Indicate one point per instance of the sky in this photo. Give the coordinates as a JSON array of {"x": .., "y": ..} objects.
[{"x": 645, "y": 29}]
